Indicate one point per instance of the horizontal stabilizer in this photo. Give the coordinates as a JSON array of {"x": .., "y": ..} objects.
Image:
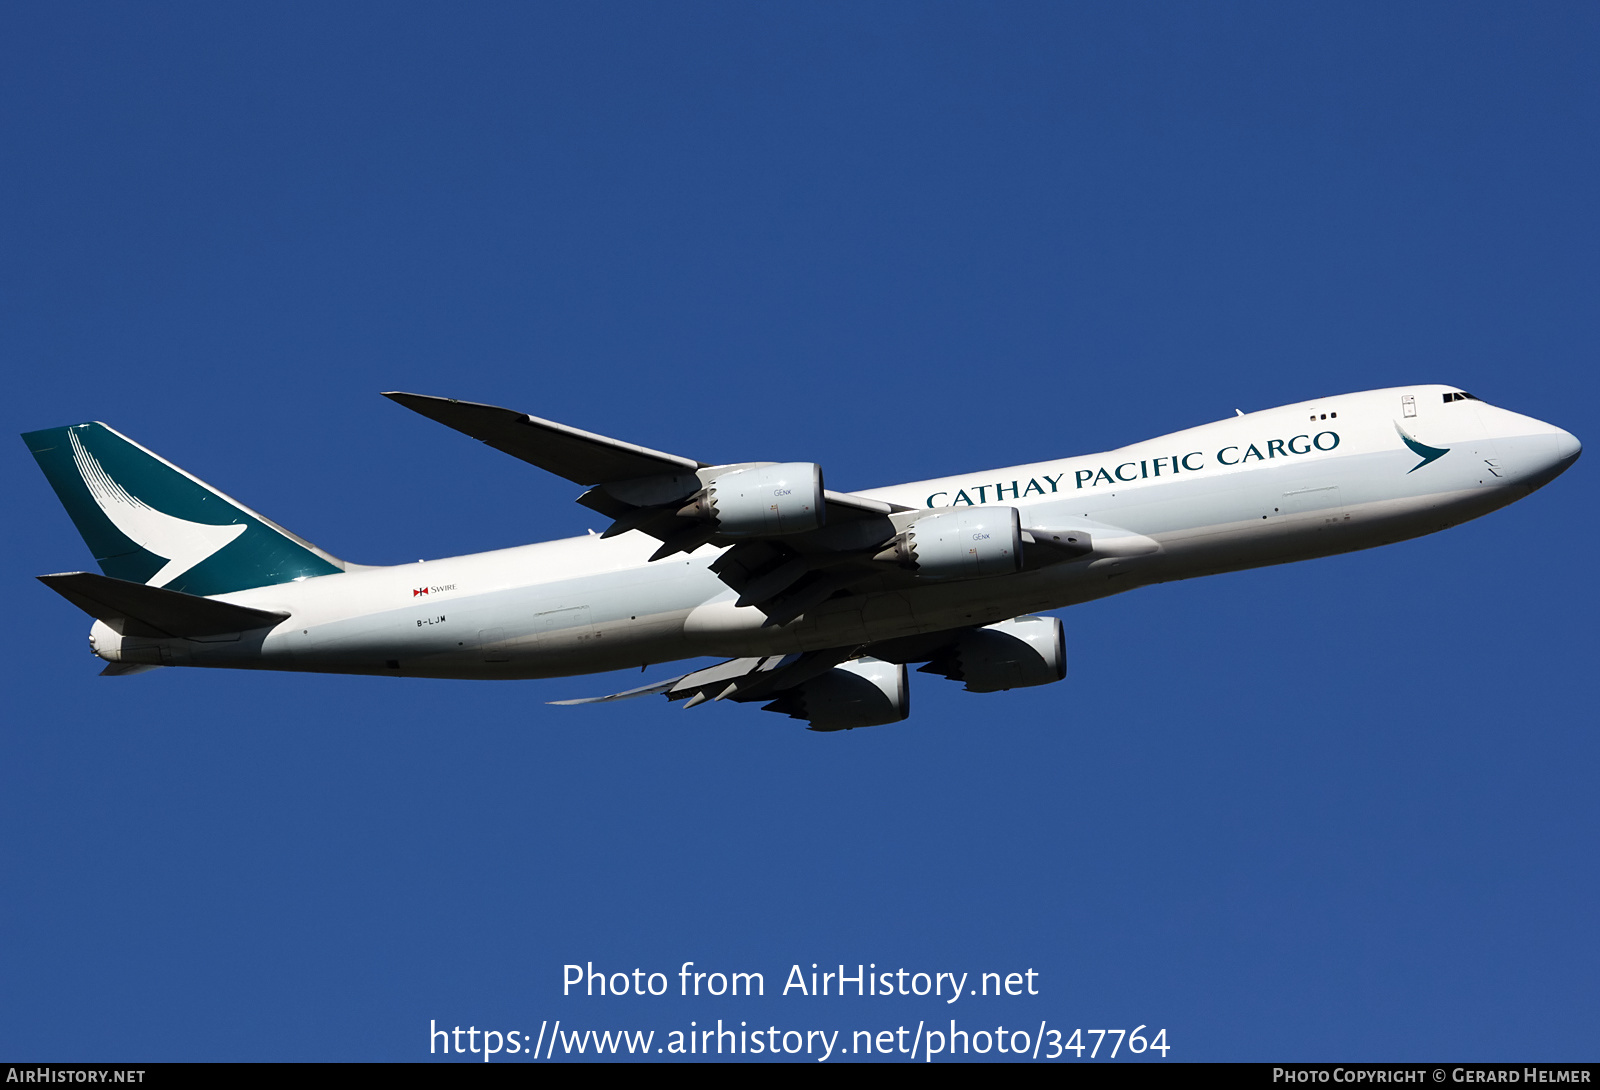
[
  {"x": 153, "y": 611},
  {"x": 580, "y": 456}
]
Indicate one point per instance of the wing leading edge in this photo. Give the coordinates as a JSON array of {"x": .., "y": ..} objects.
[
  {"x": 581, "y": 457},
  {"x": 653, "y": 492},
  {"x": 833, "y": 543}
]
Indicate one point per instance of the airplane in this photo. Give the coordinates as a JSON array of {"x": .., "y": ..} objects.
[{"x": 818, "y": 600}]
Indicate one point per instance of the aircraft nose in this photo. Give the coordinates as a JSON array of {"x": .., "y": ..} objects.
[
  {"x": 1562, "y": 453},
  {"x": 1568, "y": 448}
]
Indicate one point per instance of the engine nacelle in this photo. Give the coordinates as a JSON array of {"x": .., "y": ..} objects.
[
  {"x": 1012, "y": 654},
  {"x": 785, "y": 498},
  {"x": 863, "y": 692},
  {"x": 959, "y": 544}
]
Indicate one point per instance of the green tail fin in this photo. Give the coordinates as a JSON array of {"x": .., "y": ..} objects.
[{"x": 147, "y": 521}]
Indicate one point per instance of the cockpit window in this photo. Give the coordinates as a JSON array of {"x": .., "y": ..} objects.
[{"x": 1460, "y": 395}]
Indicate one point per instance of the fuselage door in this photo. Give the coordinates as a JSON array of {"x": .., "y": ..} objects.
[
  {"x": 1313, "y": 507},
  {"x": 493, "y": 641},
  {"x": 562, "y": 628}
]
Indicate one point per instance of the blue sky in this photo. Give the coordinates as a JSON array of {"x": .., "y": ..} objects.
[{"x": 1334, "y": 810}]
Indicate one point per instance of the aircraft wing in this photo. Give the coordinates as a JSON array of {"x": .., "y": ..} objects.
[
  {"x": 777, "y": 677},
  {"x": 646, "y": 490},
  {"x": 583, "y": 457},
  {"x": 737, "y": 679},
  {"x": 782, "y": 570},
  {"x": 580, "y": 456}
]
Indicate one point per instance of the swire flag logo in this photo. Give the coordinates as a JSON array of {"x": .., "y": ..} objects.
[{"x": 419, "y": 591}]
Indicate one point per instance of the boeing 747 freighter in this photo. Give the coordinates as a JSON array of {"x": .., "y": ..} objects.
[{"x": 819, "y": 600}]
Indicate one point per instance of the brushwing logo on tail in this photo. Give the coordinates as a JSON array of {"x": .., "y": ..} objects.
[
  {"x": 1422, "y": 450},
  {"x": 181, "y": 543}
]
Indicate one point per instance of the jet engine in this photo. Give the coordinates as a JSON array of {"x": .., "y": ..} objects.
[
  {"x": 784, "y": 498},
  {"x": 863, "y": 692},
  {"x": 959, "y": 544},
  {"x": 1012, "y": 654}
]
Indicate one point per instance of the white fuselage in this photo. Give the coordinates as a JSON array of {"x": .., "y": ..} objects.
[{"x": 1313, "y": 479}]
